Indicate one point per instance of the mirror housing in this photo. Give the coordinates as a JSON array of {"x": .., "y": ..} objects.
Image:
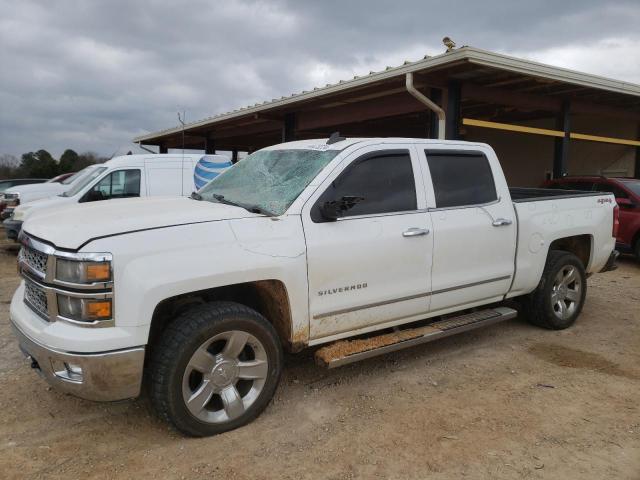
[
  {"x": 625, "y": 202},
  {"x": 93, "y": 196},
  {"x": 334, "y": 209}
]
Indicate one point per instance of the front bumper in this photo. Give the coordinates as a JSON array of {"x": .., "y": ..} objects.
[
  {"x": 12, "y": 228},
  {"x": 102, "y": 376},
  {"x": 611, "y": 263}
]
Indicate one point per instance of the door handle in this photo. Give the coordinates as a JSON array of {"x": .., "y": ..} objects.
[
  {"x": 415, "y": 232},
  {"x": 501, "y": 222}
]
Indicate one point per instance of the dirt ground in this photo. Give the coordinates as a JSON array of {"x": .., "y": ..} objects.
[{"x": 509, "y": 401}]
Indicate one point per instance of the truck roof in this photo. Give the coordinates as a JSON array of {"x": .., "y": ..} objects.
[{"x": 321, "y": 143}]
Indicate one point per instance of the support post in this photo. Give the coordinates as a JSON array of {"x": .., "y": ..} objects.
[
  {"x": 561, "y": 147},
  {"x": 289, "y": 127},
  {"x": 453, "y": 111},
  {"x": 436, "y": 95},
  {"x": 209, "y": 146},
  {"x": 636, "y": 172},
  {"x": 163, "y": 148},
  {"x": 234, "y": 156}
]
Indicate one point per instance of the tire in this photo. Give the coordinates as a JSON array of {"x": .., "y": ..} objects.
[
  {"x": 558, "y": 300},
  {"x": 215, "y": 368},
  {"x": 636, "y": 249}
]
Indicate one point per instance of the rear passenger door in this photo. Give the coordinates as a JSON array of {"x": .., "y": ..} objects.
[{"x": 474, "y": 230}]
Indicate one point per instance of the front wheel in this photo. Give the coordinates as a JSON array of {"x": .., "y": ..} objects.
[
  {"x": 558, "y": 300},
  {"x": 215, "y": 368}
]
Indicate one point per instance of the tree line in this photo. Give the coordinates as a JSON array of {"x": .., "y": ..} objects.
[{"x": 41, "y": 164}]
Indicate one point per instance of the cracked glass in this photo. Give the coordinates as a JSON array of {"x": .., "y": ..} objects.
[{"x": 268, "y": 180}]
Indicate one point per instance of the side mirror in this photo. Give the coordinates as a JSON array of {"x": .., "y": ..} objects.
[
  {"x": 625, "y": 202},
  {"x": 93, "y": 196},
  {"x": 334, "y": 209}
]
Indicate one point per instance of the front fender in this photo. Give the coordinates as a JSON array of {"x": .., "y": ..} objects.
[{"x": 153, "y": 265}]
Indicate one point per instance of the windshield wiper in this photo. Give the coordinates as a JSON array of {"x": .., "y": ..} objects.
[
  {"x": 196, "y": 196},
  {"x": 249, "y": 208}
]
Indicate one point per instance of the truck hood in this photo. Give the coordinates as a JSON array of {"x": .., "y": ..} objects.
[
  {"x": 24, "y": 211},
  {"x": 36, "y": 191},
  {"x": 71, "y": 227}
]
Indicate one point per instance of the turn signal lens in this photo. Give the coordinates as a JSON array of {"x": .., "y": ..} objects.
[
  {"x": 98, "y": 310},
  {"x": 97, "y": 272},
  {"x": 84, "y": 309}
]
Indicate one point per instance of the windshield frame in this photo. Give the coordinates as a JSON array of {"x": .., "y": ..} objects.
[
  {"x": 275, "y": 179},
  {"x": 88, "y": 176}
]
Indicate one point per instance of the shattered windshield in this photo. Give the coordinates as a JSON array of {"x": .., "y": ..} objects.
[{"x": 267, "y": 180}]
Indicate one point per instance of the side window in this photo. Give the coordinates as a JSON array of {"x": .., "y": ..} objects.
[
  {"x": 461, "y": 179},
  {"x": 384, "y": 181},
  {"x": 118, "y": 184},
  {"x": 607, "y": 187}
]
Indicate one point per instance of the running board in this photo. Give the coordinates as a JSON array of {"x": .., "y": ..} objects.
[{"x": 344, "y": 352}]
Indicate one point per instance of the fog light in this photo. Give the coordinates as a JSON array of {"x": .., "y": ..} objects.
[
  {"x": 67, "y": 371},
  {"x": 74, "y": 369}
]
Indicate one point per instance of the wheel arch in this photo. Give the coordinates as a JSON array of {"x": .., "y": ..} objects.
[
  {"x": 580, "y": 245},
  {"x": 268, "y": 297}
]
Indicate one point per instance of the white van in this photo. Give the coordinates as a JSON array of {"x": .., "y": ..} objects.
[{"x": 128, "y": 176}]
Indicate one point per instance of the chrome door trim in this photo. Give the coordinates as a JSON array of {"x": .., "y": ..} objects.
[
  {"x": 411, "y": 297},
  {"x": 386, "y": 214},
  {"x": 461, "y": 207}
]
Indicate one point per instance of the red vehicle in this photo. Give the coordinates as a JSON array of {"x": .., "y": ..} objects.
[{"x": 627, "y": 193}]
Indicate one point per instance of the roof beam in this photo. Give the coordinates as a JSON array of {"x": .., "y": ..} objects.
[
  {"x": 391, "y": 105},
  {"x": 541, "y": 102}
]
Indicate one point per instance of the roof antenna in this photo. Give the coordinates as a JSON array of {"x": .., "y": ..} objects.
[
  {"x": 181, "y": 120},
  {"x": 335, "y": 137}
]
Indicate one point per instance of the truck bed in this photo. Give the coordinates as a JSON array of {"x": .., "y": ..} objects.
[{"x": 521, "y": 195}]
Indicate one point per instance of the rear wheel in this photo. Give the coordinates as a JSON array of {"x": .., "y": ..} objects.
[
  {"x": 636, "y": 249},
  {"x": 558, "y": 299},
  {"x": 216, "y": 368}
]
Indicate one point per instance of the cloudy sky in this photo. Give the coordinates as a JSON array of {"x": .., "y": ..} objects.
[{"x": 91, "y": 75}]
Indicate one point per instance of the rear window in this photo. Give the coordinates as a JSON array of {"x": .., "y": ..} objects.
[{"x": 461, "y": 179}]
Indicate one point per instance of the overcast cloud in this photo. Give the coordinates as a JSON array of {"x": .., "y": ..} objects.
[{"x": 91, "y": 75}]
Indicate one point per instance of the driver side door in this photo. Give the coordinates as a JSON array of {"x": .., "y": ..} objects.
[
  {"x": 117, "y": 184},
  {"x": 371, "y": 267}
]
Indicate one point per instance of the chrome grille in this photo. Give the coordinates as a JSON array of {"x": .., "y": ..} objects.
[
  {"x": 35, "y": 298},
  {"x": 35, "y": 259}
]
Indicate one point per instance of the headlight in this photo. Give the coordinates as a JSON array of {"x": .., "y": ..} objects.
[
  {"x": 82, "y": 272},
  {"x": 84, "y": 309}
]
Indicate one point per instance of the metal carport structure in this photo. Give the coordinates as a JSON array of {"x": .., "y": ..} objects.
[{"x": 486, "y": 96}]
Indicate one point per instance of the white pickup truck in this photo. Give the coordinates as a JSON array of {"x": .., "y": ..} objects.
[{"x": 393, "y": 241}]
